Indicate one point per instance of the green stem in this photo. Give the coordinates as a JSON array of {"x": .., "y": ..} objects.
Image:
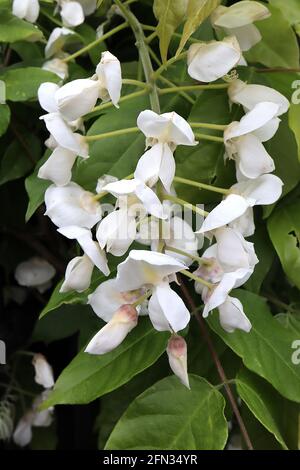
[
  {"x": 197, "y": 278},
  {"x": 220, "y": 86},
  {"x": 148, "y": 27},
  {"x": 109, "y": 104},
  {"x": 185, "y": 253},
  {"x": 209, "y": 137},
  {"x": 206, "y": 125},
  {"x": 184, "y": 203},
  {"x": 96, "y": 42},
  {"x": 142, "y": 299},
  {"x": 129, "y": 81},
  {"x": 144, "y": 53},
  {"x": 129, "y": 130},
  {"x": 164, "y": 66},
  {"x": 151, "y": 37},
  {"x": 17, "y": 389},
  {"x": 51, "y": 18},
  {"x": 168, "y": 82},
  {"x": 197, "y": 184}
]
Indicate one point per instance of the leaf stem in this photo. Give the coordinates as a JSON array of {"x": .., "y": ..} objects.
[
  {"x": 187, "y": 273},
  {"x": 139, "y": 83},
  {"x": 217, "y": 86},
  {"x": 206, "y": 125},
  {"x": 96, "y": 42},
  {"x": 185, "y": 253},
  {"x": 131, "y": 96},
  {"x": 209, "y": 137},
  {"x": 141, "y": 299},
  {"x": 144, "y": 53},
  {"x": 197, "y": 184},
  {"x": 164, "y": 66},
  {"x": 184, "y": 203},
  {"x": 105, "y": 135}
]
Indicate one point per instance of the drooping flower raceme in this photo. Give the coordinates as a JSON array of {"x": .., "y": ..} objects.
[{"x": 238, "y": 20}]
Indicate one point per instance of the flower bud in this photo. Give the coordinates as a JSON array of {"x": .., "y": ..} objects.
[
  {"x": 177, "y": 354},
  {"x": 43, "y": 371},
  {"x": 115, "y": 331},
  {"x": 78, "y": 274}
]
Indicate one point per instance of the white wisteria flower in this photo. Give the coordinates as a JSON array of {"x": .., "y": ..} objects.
[
  {"x": 249, "y": 95},
  {"x": 115, "y": 331},
  {"x": 35, "y": 272},
  {"x": 57, "y": 66},
  {"x": 77, "y": 98},
  {"x": 208, "y": 61},
  {"x": 109, "y": 75},
  {"x": 177, "y": 355},
  {"x": 107, "y": 299},
  {"x": 23, "y": 432},
  {"x": 117, "y": 230},
  {"x": 153, "y": 270},
  {"x": 57, "y": 40},
  {"x": 238, "y": 20},
  {"x": 73, "y": 12},
  {"x": 58, "y": 167},
  {"x": 243, "y": 140},
  {"x": 264, "y": 190},
  {"x": 26, "y": 9},
  {"x": 96, "y": 257},
  {"x": 72, "y": 205},
  {"x": 43, "y": 371}
]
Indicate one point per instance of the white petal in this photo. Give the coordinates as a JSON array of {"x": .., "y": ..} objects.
[
  {"x": 212, "y": 60},
  {"x": 33, "y": 11},
  {"x": 232, "y": 207},
  {"x": 150, "y": 201},
  {"x": 56, "y": 41},
  {"x": 157, "y": 163},
  {"x": 58, "y": 167},
  {"x": 268, "y": 131},
  {"x": 172, "y": 307},
  {"x": 240, "y": 14},
  {"x": 43, "y": 418},
  {"x": 43, "y": 371},
  {"x": 78, "y": 274},
  {"x": 58, "y": 67},
  {"x": 72, "y": 14},
  {"x": 145, "y": 267},
  {"x": 103, "y": 181},
  {"x": 23, "y": 433},
  {"x": 34, "y": 272},
  {"x": 244, "y": 224},
  {"x": 110, "y": 77},
  {"x": 264, "y": 190},
  {"x": 26, "y": 9},
  {"x": 232, "y": 316},
  {"x": 64, "y": 136},
  {"x": 166, "y": 128},
  {"x": 116, "y": 232},
  {"x": 260, "y": 115},
  {"x": 114, "y": 332},
  {"x": 19, "y": 8},
  {"x": 219, "y": 293},
  {"x": 182, "y": 237},
  {"x": 249, "y": 95},
  {"x": 106, "y": 299},
  {"x": 177, "y": 354},
  {"x": 71, "y": 205},
  {"x": 46, "y": 96},
  {"x": 77, "y": 98},
  {"x": 233, "y": 252},
  {"x": 252, "y": 158},
  {"x": 247, "y": 36},
  {"x": 88, "y": 6}
]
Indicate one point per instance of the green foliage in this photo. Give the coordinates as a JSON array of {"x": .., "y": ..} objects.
[
  {"x": 168, "y": 416},
  {"x": 14, "y": 29}
]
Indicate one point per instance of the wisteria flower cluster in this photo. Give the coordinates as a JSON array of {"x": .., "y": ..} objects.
[{"x": 143, "y": 201}]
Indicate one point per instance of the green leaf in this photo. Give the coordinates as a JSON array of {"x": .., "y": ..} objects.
[
  {"x": 278, "y": 415},
  {"x": 14, "y": 29},
  {"x": 22, "y": 83},
  {"x": 4, "y": 118},
  {"x": 16, "y": 161},
  {"x": 294, "y": 122},
  {"x": 116, "y": 156},
  {"x": 36, "y": 188},
  {"x": 284, "y": 230},
  {"x": 279, "y": 46},
  {"x": 290, "y": 9},
  {"x": 168, "y": 416},
  {"x": 267, "y": 349},
  {"x": 88, "y": 377},
  {"x": 197, "y": 12},
  {"x": 170, "y": 14}
]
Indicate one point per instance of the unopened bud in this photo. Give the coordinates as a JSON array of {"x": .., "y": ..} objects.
[
  {"x": 115, "y": 331},
  {"x": 43, "y": 371},
  {"x": 177, "y": 354}
]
